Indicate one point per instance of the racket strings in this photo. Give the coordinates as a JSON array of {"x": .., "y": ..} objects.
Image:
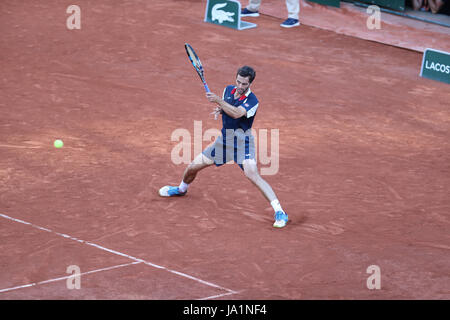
[{"x": 195, "y": 60}]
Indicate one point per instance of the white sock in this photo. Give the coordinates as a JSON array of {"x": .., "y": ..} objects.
[
  {"x": 183, "y": 187},
  {"x": 276, "y": 205}
]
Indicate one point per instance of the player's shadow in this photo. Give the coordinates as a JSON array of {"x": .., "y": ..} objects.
[{"x": 297, "y": 220}]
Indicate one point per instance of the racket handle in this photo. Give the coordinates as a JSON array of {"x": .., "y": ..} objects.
[{"x": 206, "y": 87}]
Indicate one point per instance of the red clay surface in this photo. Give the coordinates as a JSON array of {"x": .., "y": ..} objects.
[{"x": 364, "y": 160}]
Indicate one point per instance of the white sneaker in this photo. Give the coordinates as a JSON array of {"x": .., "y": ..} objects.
[{"x": 168, "y": 191}]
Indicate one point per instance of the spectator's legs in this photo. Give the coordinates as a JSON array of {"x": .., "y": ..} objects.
[
  {"x": 435, "y": 5},
  {"x": 293, "y": 8},
  {"x": 417, "y": 4}
]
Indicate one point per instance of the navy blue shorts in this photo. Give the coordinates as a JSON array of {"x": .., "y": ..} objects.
[{"x": 235, "y": 147}]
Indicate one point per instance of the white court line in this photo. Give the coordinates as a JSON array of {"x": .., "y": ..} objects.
[
  {"x": 218, "y": 295},
  {"x": 21, "y": 147},
  {"x": 229, "y": 291},
  {"x": 67, "y": 277}
]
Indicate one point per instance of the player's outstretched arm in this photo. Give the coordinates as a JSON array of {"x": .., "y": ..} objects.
[{"x": 226, "y": 107}]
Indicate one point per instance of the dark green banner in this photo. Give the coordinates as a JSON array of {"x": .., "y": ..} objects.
[
  {"x": 436, "y": 65},
  {"x": 333, "y": 3},
  {"x": 226, "y": 13},
  {"x": 391, "y": 4},
  {"x": 223, "y": 12}
]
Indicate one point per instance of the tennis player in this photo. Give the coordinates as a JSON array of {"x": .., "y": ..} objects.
[{"x": 238, "y": 107}]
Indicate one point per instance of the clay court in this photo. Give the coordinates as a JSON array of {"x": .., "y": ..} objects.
[{"x": 364, "y": 161}]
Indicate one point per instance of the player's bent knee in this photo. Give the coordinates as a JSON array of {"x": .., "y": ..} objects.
[
  {"x": 207, "y": 160},
  {"x": 250, "y": 169},
  {"x": 200, "y": 162},
  {"x": 201, "y": 159}
]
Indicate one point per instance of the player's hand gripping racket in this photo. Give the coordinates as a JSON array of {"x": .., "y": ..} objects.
[{"x": 195, "y": 60}]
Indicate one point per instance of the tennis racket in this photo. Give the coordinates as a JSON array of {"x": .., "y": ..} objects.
[{"x": 195, "y": 60}]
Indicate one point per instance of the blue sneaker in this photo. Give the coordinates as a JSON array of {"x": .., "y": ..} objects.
[
  {"x": 289, "y": 23},
  {"x": 168, "y": 191},
  {"x": 281, "y": 219},
  {"x": 247, "y": 13}
]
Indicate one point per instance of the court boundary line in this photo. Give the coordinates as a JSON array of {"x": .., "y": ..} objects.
[
  {"x": 137, "y": 260},
  {"x": 67, "y": 277},
  {"x": 218, "y": 295}
]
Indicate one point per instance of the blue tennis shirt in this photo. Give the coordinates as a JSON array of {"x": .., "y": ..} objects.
[
  {"x": 239, "y": 144},
  {"x": 247, "y": 101}
]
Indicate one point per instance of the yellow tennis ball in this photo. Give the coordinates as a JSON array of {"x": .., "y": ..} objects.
[{"x": 58, "y": 144}]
